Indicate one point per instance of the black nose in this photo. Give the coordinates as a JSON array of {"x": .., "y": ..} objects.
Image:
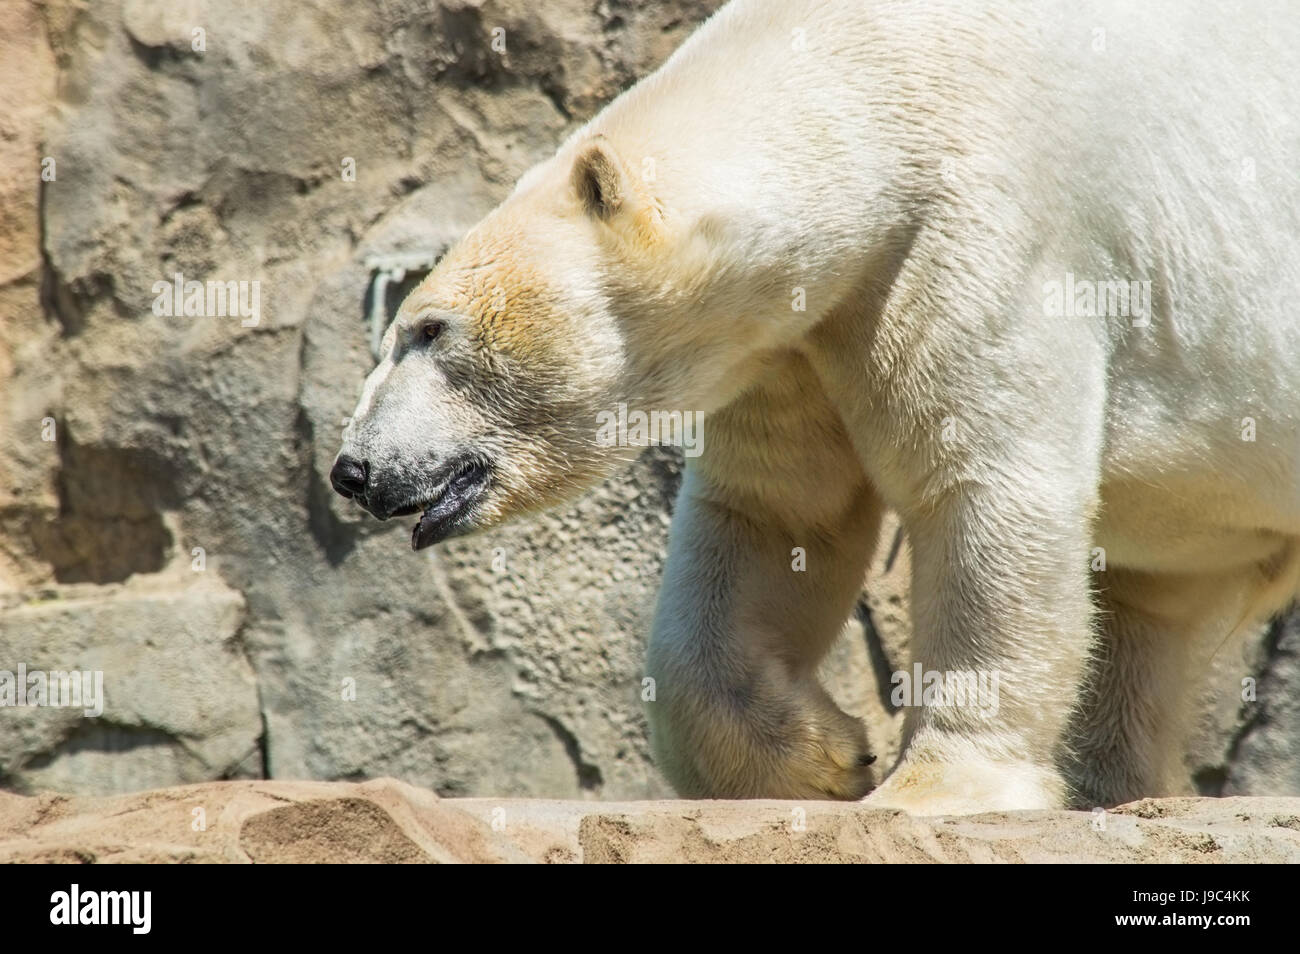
[{"x": 349, "y": 476}]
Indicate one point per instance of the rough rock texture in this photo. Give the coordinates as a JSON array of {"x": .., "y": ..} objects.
[
  {"x": 389, "y": 821},
  {"x": 164, "y": 509},
  {"x": 1265, "y": 751},
  {"x": 505, "y": 664},
  {"x": 182, "y": 700}
]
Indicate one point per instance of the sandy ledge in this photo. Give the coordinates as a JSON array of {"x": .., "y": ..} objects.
[{"x": 389, "y": 821}]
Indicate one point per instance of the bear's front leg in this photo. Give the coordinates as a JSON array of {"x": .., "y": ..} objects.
[
  {"x": 771, "y": 535},
  {"x": 983, "y": 425},
  {"x": 1002, "y": 632}
]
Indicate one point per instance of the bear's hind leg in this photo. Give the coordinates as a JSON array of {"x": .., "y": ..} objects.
[{"x": 1158, "y": 634}]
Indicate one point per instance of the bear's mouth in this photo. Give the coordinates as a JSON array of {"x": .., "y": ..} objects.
[{"x": 448, "y": 511}]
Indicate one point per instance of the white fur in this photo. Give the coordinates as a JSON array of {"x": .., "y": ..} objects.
[{"x": 922, "y": 169}]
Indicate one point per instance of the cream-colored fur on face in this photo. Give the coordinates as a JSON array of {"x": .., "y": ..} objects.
[{"x": 920, "y": 171}]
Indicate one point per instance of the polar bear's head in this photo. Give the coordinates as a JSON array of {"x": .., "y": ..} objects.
[{"x": 577, "y": 294}]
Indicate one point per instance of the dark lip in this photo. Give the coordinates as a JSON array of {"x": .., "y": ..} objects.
[
  {"x": 439, "y": 478},
  {"x": 462, "y": 482}
]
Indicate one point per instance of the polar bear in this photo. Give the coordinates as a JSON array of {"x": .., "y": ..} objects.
[{"x": 1029, "y": 277}]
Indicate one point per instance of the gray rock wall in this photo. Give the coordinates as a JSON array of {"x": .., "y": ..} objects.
[{"x": 509, "y": 663}]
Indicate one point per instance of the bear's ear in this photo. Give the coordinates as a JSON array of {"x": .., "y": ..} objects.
[{"x": 599, "y": 180}]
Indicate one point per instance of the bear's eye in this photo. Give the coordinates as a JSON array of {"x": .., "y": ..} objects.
[{"x": 430, "y": 330}]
